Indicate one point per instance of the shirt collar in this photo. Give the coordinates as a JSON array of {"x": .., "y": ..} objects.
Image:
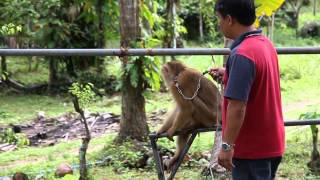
[{"x": 243, "y": 36}]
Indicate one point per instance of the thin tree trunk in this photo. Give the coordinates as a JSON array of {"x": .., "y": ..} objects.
[
  {"x": 53, "y": 74},
  {"x": 272, "y": 26},
  {"x": 101, "y": 39},
  {"x": 269, "y": 27},
  {"x": 3, "y": 64},
  {"x": 297, "y": 24},
  {"x": 314, "y": 7},
  {"x": 70, "y": 66},
  {"x": 217, "y": 171},
  {"x": 133, "y": 120},
  {"x": 200, "y": 22},
  {"x": 315, "y": 152},
  {"x": 82, "y": 159},
  {"x": 29, "y": 64},
  {"x": 227, "y": 44},
  {"x": 85, "y": 141},
  {"x": 314, "y": 163},
  {"x": 83, "y": 150},
  {"x": 173, "y": 20}
]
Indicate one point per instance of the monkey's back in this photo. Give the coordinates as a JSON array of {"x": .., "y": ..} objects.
[{"x": 188, "y": 82}]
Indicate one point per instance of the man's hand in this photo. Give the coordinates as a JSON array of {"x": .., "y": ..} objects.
[
  {"x": 225, "y": 159},
  {"x": 217, "y": 73}
]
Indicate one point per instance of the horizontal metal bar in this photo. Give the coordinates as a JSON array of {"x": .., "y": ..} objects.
[
  {"x": 298, "y": 50},
  {"x": 113, "y": 52},
  {"x": 154, "y": 135},
  {"x": 143, "y": 52},
  {"x": 286, "y": 123},
  {"x": 302, "y": 122}
]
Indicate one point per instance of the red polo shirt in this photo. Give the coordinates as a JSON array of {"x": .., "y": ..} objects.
[{"x": 252, "y": 75}]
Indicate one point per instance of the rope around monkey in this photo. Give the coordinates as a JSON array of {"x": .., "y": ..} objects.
[
  {"x": 197, "y": 90},
  {"x": 180, "y": 91}
]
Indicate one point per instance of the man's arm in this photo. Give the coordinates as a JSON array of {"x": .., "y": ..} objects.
[
  {"x": 234, "y": 120},
  {"x": 235, "y": 117}
]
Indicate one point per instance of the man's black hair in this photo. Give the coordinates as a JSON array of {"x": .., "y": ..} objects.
[{"x": 243, "y": 11}]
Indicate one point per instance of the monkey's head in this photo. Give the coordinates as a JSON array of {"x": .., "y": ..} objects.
[{"x": 170, "y": 70}]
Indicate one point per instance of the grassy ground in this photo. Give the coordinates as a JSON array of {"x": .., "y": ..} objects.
[{"x": 299, "y": 73}]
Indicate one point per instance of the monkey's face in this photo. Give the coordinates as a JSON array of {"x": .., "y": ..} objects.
[{"x": 167, "y": 74}]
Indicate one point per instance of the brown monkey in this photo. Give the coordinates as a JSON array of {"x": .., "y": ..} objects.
[{"x": 197, "y": 102}]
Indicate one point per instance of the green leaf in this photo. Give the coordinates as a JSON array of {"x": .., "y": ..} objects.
[
  {"x": 147, "y": 14},
  {"x": 134, "y": 76}
]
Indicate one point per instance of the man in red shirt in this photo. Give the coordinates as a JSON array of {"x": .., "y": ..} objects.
[{"x": 252, "y": 121}]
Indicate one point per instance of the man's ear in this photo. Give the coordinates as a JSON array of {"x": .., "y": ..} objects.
[{"x": 230, "y": 20}]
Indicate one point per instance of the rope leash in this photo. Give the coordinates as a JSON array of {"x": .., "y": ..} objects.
[
  {"x": 180, "y": 91},
  {"x": 221, "y": 90}
]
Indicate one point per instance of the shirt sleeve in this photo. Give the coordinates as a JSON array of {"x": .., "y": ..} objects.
[{"x": 241, "y": 75}]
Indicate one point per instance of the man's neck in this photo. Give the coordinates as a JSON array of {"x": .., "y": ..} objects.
[{"x": 243, "y": 29}]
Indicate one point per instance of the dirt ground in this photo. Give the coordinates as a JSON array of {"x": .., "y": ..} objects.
[{"x": 44, "y": 131}]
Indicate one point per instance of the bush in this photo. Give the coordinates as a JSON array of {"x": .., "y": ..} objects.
[
  {"x": 11, "y": 137},
  {"x": 310, "y": 29}
]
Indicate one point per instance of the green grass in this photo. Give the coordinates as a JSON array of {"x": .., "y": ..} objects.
[
  {"x": 44, "y": 160},
  {"x": 33, "y": 160},
  {"x": 19, "y": 68},
  {"x": 22, "y": 108}
]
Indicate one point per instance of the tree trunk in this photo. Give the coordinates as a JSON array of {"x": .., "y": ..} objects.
[
  {"x": 53, "y": 74},
  {"x": 269, "y": 27},
  {"x": 173, "y": 21},
  {"x": 217, "y": 171},
  {"x": 297, "y": 24},
  {"x": 314, "y": 163},
  {"x": 29, "y": 63},
  {"x": 85, "y": 141},
  {"x": 200, "y": 22},
  {"x": 314, "y": 7},
  {"x": 70, "y": 67},
  {"x": 82, "y": 158},
  {"x": 101, "y": 39},
  {"x": 83, "y": 150},
  {"x": 294, "y": 14},
  {"x": 272, "y": 26},
  {"x": 133, "y": 120},
  {"x": 315, "y": 152},
  {"x": 3, "y": 64},
  {"x": 227, "y": 44}
]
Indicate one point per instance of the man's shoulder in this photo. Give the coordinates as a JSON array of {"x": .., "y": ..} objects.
[
  {"x": 255, "y": 46},
  {"x": 254, "y": 43}
]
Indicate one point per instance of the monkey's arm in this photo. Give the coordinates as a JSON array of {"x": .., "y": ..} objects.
[
  {"x": 168, "y": 122},
  {"x": 183, "y": 117}
]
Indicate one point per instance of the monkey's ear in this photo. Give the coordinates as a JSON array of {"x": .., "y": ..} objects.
[{"x": 165, "y": 68}]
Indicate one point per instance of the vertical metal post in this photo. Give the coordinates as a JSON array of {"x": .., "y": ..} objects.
[
  {"x": 156, "y": 155},
  {"x": 181, "y": 157}
]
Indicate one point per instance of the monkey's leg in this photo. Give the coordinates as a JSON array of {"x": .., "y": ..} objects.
[
  {"x": 181, "y": 143},
  {"x": 168, "y": 122}
]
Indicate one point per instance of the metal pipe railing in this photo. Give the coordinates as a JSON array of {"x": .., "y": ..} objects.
[{"x": 143, "y": 52}]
